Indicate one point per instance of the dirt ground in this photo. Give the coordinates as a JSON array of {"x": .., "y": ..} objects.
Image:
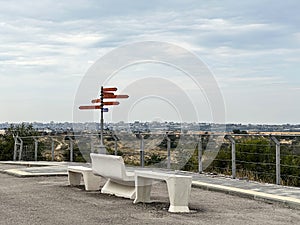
[{"x": 49, "y": 200}]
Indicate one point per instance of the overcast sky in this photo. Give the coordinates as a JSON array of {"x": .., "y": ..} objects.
[{"x": 252, "y": 48}]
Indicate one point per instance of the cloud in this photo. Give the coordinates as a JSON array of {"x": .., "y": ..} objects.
[{"x": 244, "y": 43}]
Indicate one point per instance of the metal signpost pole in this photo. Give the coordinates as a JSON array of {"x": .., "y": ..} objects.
[
  {"x": 102, "y": 149},
  {"x": 106, "y": 93}
]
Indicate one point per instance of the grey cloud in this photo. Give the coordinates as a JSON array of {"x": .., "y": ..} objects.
[{"x": 57, "y": 39}]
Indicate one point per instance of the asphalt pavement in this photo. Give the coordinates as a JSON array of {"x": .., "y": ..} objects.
[{"x": 31, "y": 193}]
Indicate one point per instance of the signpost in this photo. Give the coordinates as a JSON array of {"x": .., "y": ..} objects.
[
  {"x": 93, "y": 107},
  {"x": 106, "y": 93}
]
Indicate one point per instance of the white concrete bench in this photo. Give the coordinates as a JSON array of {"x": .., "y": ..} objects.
[
  {"x": 179, "y": 188},
  {"x": 120, "y": 182},
  {"x": 91, "y": 182}
]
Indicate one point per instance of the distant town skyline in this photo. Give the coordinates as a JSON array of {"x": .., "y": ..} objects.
[
  {"x": 139, "y": 126},
  {"x": 251, "y": 47}
]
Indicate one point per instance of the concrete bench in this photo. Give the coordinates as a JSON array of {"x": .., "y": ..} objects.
[
  {"x": 120, "y": 182},
  {"x": 179, "y": 188},
  {"x": 91, "y": 182}
]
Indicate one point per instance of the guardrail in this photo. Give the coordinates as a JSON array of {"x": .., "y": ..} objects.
[{"x": 264, "y": 157}]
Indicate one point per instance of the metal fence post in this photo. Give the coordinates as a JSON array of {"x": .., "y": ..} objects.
[
  {"x": 142, "y": 151},
  {"x": 277, "y": 143},
  {"x": 233, "y": 154},
  {"x": 92, "y": 146},
  {"x": 116, "y": 144},
  {"x": 21, "y": 148},
  {"x": 15, "y": 148},
  {"x": 52, "y": 149},
  {"x": 35, "y": 149},
  {"x": 200, "y": 165},
  {"x": 71, "y": 149},
  {"x": 168, "y": 152}
]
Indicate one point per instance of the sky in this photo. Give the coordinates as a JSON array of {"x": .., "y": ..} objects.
[{"x": 251, "y": 47}]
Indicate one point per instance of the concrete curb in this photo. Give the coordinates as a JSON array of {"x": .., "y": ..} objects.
[
  {"x": 288, "y": 201},
  {"x": 20, "y": 173},
  {"x": 37, "y": 169}
]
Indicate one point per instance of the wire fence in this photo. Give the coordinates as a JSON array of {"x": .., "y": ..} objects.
[{"x": 262, "y": 158}]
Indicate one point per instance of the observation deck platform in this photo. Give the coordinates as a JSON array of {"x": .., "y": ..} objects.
[{"x": 288, "y": 196}]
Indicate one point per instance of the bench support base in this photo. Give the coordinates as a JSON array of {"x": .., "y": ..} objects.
[
  {"x": 120, "y": 189},
  {"x": 179, "y": 189},
  {"x": 91, "y": 181}
]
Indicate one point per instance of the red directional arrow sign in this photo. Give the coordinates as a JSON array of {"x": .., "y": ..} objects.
[
  {"x": 105, "y": 94},
  {"x": 109, "y": 96},
  {"x": 97, "y": 106},
  {"x": 111, "y": 103},
  {"x": 108, "y": 93},
  {"x": 96, "y": 100},
  {"x": 90, "y": 107},
  {"x": 93, "y": 107},
  {"x": 115, "y": 96},
  {"x": 110, "y": 89}
]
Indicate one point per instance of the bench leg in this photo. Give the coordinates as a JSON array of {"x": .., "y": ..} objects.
[
  {"x": 91, "y": 181},
  {"x": 74, "y": 178},
  {"x": 179, "y": 194},
  {"x": 119, "y": 189},
  {"x": 143, "y": 189}
]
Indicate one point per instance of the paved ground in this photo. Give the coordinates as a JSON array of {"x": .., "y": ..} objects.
[
  {"x": 49, "y": 200},
  {"x": 289, "y": 196}
]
